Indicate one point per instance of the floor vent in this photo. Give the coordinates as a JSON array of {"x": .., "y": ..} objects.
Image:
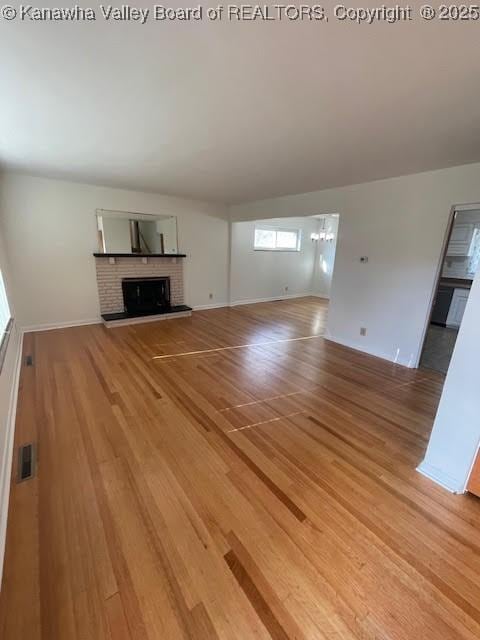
[
  {"x": 29, "y": 361},
  {"x": 26, "y": 462}
]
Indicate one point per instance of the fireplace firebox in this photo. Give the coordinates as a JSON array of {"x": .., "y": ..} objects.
[{"x": 145, "y": 296}]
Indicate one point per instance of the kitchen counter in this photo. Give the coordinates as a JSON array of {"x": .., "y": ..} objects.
[{"x": 450, "y": 300}]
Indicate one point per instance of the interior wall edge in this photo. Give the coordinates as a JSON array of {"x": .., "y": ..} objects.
[
  {"x": 454, "y": 485},
  {"x": 368, "y": 350}
]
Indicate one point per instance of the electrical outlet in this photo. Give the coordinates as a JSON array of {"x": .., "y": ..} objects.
[
  {"x": 363, "y": 331},
  {"x": 144, "y": 260},
  {"x": 286, "y": 288},
  {"x": 210, "y": 295}
]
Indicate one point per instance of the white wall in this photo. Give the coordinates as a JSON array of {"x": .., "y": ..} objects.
[
  {"x": 265, "y": 275},
  {"x": 50, "y": 230},
  {"x": 325, "y": 257},
  {"x": 8, "y": 390},
  {"x": 456, "y": 432},
  {"x": 400, "y": 225}
]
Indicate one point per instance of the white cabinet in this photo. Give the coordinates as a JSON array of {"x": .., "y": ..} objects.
[
  {"x": 461, "y": 239},
  {"x": 457, "y": 307}
]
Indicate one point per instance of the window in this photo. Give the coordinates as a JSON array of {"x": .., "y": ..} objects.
[
  {"x": 276, "y": 239},
  {"x": 4, "y": 308}
]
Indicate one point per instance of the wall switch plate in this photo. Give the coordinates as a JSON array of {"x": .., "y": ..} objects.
[
  {"x": 363, "y": 331},
  {"x": 111, "y": 260}
]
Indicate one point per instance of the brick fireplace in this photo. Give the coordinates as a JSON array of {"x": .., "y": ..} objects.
[{"x": 113, "y": 269}]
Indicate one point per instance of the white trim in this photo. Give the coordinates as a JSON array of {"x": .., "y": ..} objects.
[
  {"x": 278, "y": 250},
  {"x": 236, "y": 303},
  {"x": 357, "y": 346},
  {"x": 205, "y": 307},
  {"x": 320, "y": 295},
  {"x": 456, "y": 208},
  {"x": 100, "y": 212},
  {"x": 436, "y": 282},
  {"x": 6, "y": 466},
  {"x": 60, "y": 325},
  {"x": 278, "y": 229},
  {"x": 474, "y": 206},
  {"x": 437, "y": 475}
]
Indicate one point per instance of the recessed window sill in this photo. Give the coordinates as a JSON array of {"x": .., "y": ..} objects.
[{"x": 278, "y": 250}]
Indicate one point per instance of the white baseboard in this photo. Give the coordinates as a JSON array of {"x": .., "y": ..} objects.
[
  {"x": 236, "y": 303},
  {"x": 320, "y": 295},
  {"x": 6, "y": 463},
  {"x": 205, "y": 307},
  {"x": 447, "y": 482},
  {"x": 60, "y": 325},
  {"x": 357, "y": 346}
]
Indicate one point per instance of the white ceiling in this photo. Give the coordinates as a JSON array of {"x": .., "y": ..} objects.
[{"x": 237, "y": 111}]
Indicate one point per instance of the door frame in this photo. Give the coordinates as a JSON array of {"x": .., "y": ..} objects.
[{"x": 456, "y": 208}]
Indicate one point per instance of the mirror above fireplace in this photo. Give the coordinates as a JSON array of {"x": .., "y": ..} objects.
[{"x": 131, "y": 233}]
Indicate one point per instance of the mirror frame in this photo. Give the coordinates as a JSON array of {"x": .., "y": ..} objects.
[{"x": 128, "y": 215}]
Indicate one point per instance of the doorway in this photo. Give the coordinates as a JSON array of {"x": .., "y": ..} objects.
[
  {"x": 460, "y": 262},
  {"x": 325, "y": 240}
]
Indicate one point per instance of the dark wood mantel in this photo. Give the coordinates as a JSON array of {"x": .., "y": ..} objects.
[{"x": 140, "y": 255}]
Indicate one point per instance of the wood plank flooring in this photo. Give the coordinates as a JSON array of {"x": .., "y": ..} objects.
[{"x": 190, "y": 486}]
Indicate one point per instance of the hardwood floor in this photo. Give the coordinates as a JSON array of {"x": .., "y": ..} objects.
[{"x": 192, "y": 487}]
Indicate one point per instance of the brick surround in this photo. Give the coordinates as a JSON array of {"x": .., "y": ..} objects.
[{"x": 109, "y": 278}]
